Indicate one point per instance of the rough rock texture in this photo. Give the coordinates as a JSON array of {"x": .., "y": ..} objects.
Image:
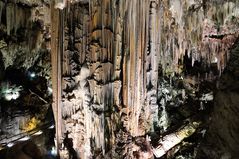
[
  {"x": 222, "y": 139},
  {"x": 113, "y": 52},
  {"x": 107, "y": 52},
  {"x": 24, "y": 52},
  {"x": 24, "y": 34},
  {"x": 24, "y": 69},
  {"x": 130, "y": 67},
  {"x": 202, "y": 30}
]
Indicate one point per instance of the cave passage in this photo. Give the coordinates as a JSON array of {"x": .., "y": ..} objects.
[{"x": 119, "y": 79}]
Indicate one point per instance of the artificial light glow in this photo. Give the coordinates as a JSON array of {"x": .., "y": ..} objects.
[
  {"x": 38, "y": 133},
  {"x": 49, "y": 89},
  {"x": 53, "y": 151},
  {"x": 10, "y": 144},
  {"x": 11, "y": 94},
  {"x": 31, "y": 124},
  {"x": 24, "y": 138},
  {"x": 8, "y": 97},
  {"x": 51, "y": 127},
  {"x": 207, "y": 97},
  {"x": 215, "y": 60},
  {"x": 15, "y": 95},
  {"x": 32, "y": 75}
]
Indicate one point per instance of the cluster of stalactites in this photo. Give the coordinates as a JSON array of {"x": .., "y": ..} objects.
[
  {"x": 16, "y": 17},
  {"x": 203, "y": 30},
  {"x": 121, "y": 44}
]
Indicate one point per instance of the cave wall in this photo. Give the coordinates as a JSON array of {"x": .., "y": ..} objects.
[
  {"x": 222, "y": 136},
  {"x": 114, "y": 53},
  {"x": 107, "y": 91},
  {"x": 204, "y": 30},
  {"x": 114, "y": 50},
  {"x": 24, "y": 70},
  {"x": 24, "y": 32}
]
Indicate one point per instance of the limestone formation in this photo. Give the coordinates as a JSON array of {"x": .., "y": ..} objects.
[{"x": 120, "y": 70}]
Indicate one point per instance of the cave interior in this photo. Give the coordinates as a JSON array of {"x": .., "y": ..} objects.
[{"x": 119, "y": 79}]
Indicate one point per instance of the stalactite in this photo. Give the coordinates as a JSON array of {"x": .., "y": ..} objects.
[
  {"x": 152, "y": 63},
  {"x": 182, "y": 25},
  {"x": 2, "y": 5},
  {"x": 119, "y": 45},
  {"x": 120, "y": 58},
  {"x": 17, "y": 17},
  {"x": 57, "y": 48},
  {"x": 10, "y": 16}
]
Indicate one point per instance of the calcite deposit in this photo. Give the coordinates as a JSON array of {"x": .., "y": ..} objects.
[{"x": 124, "y": 73}]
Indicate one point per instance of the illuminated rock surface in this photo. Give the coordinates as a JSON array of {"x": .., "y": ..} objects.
[{"x": 130, "y": 68}]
